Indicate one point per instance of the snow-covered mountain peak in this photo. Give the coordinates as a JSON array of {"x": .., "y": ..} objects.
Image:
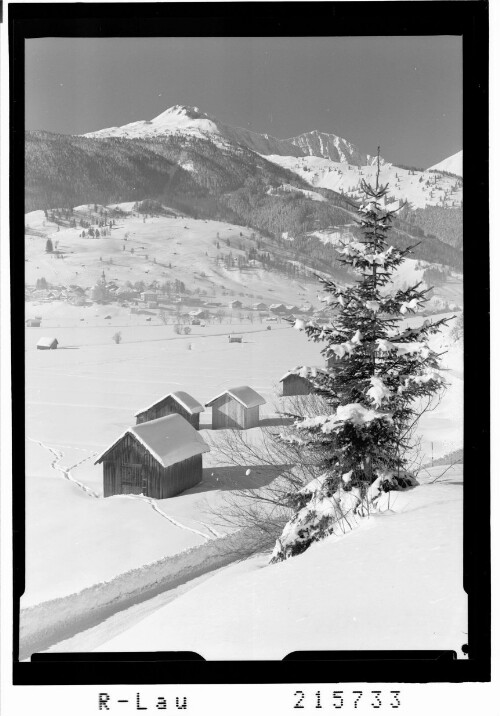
[
  {"x": 179, "y": 119},
  {"x": 182, "y": 111}
]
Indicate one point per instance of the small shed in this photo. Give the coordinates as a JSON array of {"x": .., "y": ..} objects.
[
  {"x": 199, "y": 313},
  {"x": 298, "y": 381},
  {"x": 159, "y": 459},
  {"x": 233, "y": 338},
  {"x": 47, "y": 343},
  {"x": 236, "y": 304},
  {"x": 179, "y": 402},
  {"x": 236, "y": 408},
  {"x": 33, "y": 323},
  {"x": 260, "y": 306}
]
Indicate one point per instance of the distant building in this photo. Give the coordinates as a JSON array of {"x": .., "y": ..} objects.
[
  {"x": 236, "y": 304},
  {"x": 33, "y": 323},
  {"x": 147, "y": 296},
  {"x": 179, "y": 402},
  {"x": 278, "y": 308},
  {"x": 47, "y": 343},
  {"x": 259, "y": 306},
  {"x": 99, "y": 292},
  {"x": 236, "y": 408},
  {"x": 199, "y": 313},
  {"x": 233, "y": 338},
  {"x": 159, "y": 459}
]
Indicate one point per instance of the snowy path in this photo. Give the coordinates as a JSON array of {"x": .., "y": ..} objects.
[
  {"x": 66, "y": 471},
  {"x": 57, "y": 620},
  {"x": 91, "y": 638}
]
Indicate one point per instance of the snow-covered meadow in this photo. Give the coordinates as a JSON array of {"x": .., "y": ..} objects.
[{"x": 81, "y": 397}]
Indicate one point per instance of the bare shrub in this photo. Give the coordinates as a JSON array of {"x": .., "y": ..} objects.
[{"x": 117, "y": 338}]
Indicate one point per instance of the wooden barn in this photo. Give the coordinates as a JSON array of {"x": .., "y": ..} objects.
[
  {"x": 235, "y": 304},
  {"x": 46, "y": 343},
  {"x": 159, "y": 459},
  {"x": 298, "y": 381},
  {"x": 233, "y": 338},
  {"x": 295, "y": 384},
  {"x": 236, "y": 408},
  {"x": 33, "y": 323},
  {"x": 180, "y": 403}
]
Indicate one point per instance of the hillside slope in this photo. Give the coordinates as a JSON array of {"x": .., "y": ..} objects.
[
  {"x": 452, "y": 164},
  {"x": 200, "y": 178}
]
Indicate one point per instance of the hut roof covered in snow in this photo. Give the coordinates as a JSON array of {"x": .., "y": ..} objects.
[
  {"x": 169, "y": 440},
  {"x": 245, "y": 395},
  {"x": 47, "y": 341},
  {"x": 187, "y": 401},
  {"x": 303, "y": 371}
]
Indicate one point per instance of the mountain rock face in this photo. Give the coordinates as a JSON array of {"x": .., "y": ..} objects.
[{"x": 451, "y": 164}]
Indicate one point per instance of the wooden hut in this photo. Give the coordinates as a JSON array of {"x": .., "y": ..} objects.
[
  {"x": 236, "y": 408},
  {"x": 298, "y": 381},
  {"x": 233, "y": 338},
  {"x": 159, "y": 459},
  {"x": 235, "y": 304},
  {"x": 47, "y": 343},
  {"x": 180, "y": 403},
  {"x": 295, "y": 384},
  {"x": 33, "y": 323}
]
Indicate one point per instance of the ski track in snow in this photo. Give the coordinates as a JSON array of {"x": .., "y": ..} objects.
[
  {"x": 211, "y": 529},
  {"x": 155, "y": 507},
  {"x": 66, "y": 471}
]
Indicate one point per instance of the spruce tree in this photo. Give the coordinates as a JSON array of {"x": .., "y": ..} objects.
[{"x": 379, "y": 376}]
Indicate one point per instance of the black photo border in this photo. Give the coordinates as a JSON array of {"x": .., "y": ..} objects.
[{"x": 467, "y": 18}]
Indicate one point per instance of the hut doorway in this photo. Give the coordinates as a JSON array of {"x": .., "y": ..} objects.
[{"x": 133, "y": 478}]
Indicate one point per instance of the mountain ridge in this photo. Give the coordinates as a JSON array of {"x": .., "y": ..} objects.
[{"x": 184, "y": 119}]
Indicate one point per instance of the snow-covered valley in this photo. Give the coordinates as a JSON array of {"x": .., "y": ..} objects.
[{"x": 91, "y": 561}]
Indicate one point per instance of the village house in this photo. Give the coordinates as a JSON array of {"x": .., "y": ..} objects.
[
  {"x": 33, "y": 323},
  {"x": 199, "y": 313},
  {"x": 235, "y": 304},
  {"x": 259, "y": 306},
  {"x": 147, "y": 296},
  {"x": 179, "y": 402},
  {"x": 278, "y": 308},
  {"x": 159, "y": 459},
  {"x": 47, "y": 343},
  {"x": 236, "y": 408}
]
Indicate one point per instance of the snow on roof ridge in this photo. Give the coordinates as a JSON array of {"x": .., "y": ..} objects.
[
  {"x": 311, "y": 370},
  {"x": 249, "y": 403},
  {"x": 173, "y": 419},
  {"x": 177, "y": 395}
]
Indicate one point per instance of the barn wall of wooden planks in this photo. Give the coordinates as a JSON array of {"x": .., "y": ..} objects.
[
  {"x": 131, "y": 469},
  {"x": 296, "y": 385}
]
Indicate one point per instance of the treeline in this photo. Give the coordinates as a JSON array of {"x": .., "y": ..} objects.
[{"x": 439, "y": 222}]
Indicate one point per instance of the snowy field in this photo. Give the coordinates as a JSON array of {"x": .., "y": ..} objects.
[
  {"x": 417, "y": 187},
  {"x": 81, "y": 397},
  {"x": 394, "y": 582},
  {"x": 85, "y": 394}
]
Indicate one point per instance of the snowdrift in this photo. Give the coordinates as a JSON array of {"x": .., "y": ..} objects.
[{"x": 56, "y": 619}]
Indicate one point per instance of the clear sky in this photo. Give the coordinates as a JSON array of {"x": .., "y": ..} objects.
[{"x": 403, "y": 93}]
